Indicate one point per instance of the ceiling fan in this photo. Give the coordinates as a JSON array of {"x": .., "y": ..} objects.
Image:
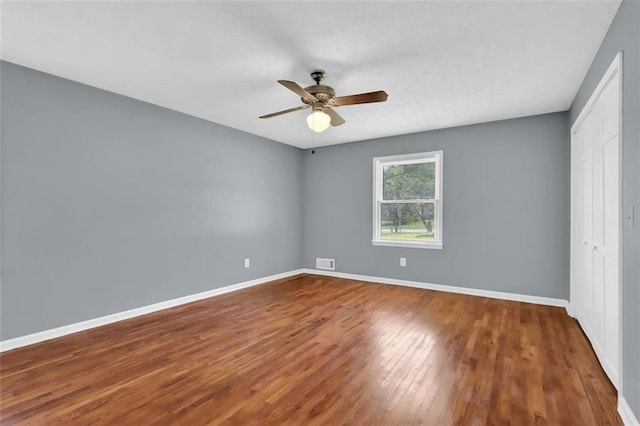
[{"x": 321, "y": 98}]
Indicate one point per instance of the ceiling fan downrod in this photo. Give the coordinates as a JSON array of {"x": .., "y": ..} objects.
[{"x": 318, "y": 76}]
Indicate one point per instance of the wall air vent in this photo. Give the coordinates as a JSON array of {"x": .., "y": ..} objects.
[{"x": 322, "y": 263}]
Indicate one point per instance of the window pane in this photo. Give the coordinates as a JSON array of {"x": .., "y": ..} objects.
[
  {"x": 407, "y": 221},
  {"x": 409, "y": 181}
]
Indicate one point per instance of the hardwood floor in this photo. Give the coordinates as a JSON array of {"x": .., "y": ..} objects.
[{"x": 317, "y": 350}]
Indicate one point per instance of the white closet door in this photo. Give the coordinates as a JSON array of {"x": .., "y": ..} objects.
[
  {"x": 587, "y": 225},
  {"x": 577, "y": 223},
  {"x": 597, "y": 237},
  {"x": 610, "y": 243},
  {"x": 595, "y": 216}
]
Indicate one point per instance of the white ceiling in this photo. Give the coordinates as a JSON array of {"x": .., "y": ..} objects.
[{"x": 443, "y": 64}]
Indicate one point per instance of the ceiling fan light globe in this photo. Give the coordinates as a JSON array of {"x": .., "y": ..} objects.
[{"x": 318, "y": 121}]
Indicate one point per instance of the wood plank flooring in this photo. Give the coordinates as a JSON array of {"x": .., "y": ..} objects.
[{"x": 317, "y": 350}]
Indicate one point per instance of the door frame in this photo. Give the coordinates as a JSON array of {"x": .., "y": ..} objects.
[{"x": 614, "y": 69}]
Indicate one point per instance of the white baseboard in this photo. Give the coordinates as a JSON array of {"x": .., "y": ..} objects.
[
  {"x": 119, "y": 316},
  {"x": 41, "y": 336},
  {"x": 625, "y": 413},
  {"x": 538, "y": 300}
]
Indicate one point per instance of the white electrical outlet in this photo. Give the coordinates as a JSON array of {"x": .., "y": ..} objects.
[
  {"x": 247, "y": 262},
  {"x": 403, "y": 261}
]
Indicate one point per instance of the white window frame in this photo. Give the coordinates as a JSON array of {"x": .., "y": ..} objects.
[{"x": 420, "y": 157}]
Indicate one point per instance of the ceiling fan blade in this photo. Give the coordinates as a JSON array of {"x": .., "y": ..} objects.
[
  {"x": 362, "y": 98},
  {"x": 293, "y": 86},
  {"x": 273, "y": 114},
  {"x": 336, "y": 120}
]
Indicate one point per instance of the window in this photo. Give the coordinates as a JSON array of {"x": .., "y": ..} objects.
[{"x": 407, "y": 209}]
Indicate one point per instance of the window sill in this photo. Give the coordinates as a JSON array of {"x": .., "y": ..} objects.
[{"x": 392, "y": 243}]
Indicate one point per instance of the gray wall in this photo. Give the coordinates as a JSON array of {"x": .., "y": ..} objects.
[
  {"x": 110, "y": 203},
  {"x": 506, "y": 207},
  {"x": 624, "y": 34}
]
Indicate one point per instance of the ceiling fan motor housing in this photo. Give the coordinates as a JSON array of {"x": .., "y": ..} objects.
[{"x": 321, "y": 92}]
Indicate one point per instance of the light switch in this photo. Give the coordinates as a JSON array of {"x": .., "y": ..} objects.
[{"x": 628, "y": 216}]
